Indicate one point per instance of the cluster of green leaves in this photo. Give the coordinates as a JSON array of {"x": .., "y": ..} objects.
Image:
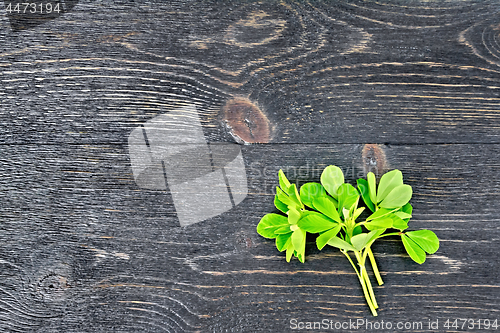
[{"x": 331, "y": 209}]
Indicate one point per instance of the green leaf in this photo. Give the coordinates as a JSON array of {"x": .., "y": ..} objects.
[
  {"x": 415, "y": 251},
  {"x": 361, "y": 240},
  {"x": 364, "y": 190},
  {"x": 309, "y": 191},
  {"x": 283, "y": 241},
  {"x": 398, "y": 223},
  {"x": 387, "y": 183},
  {"x": 326, "y": 236},
  {"x": 331, "y": 178},
  {"x": 332, "y": 200},
  {"x": 293, "y": 215},
  {"x": 384, "y": 219},
  {"x": 372, "y": 187},
  {"x": 357, "y": 230},
  {"x": 298, "y": 239},
  {"x": 380, "y": 223},
  {"x": 289, "y": 251},
  {"x": 398, "y": 197},
  {"x": 283, "y": 230},
  {"x": 299, "y": 243},
  {"x": 357, "y": 212},
  {"x": 284, "y": 183},
  {"x": 379, "y": 213},
  {"x": 280, "y": 205},
  {"x": 347, "y": 196},
  {"x": 426, "y": 239},
  {"x": 296, "y": 193},
  {"x": 408, "y": 209},
  {"x": 341, "y": 244},
  {"x": 282, "y": 196},
  {"x": 294, "y": 196},
  {"x": 316, "y": 222},
  {"x": 345, "y": 213},
  {"x": 270, "y": 223},
  {"x": 402, "y": 215},
  {"x": 327, "y": 207}
]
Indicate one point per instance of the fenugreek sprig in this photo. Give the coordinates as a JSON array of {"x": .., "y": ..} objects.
[{"x": 331, "y": 210}]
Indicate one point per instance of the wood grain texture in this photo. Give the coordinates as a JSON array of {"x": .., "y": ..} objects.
[{"x": 412, "y": 85}]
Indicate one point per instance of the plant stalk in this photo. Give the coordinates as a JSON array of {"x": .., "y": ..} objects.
[
  {"x": 365, "y": 283},
  {"x": 368, "y": 297},
  {"x": 361, "y": 262},
  {"x": 370, "y": 288},
  {"x": 374, "y": 266}
]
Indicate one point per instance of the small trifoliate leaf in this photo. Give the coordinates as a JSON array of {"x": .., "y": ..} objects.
[
  {"x": 326, "y": 236},
  {"x": 309, "y": 191},
  {"x": 414, "y": 251},
  {"x": 270, "y": 223},
  {"x": 398, "y": 197},
  {"x": 426, "y": 239},
  {"x": 316, "y": 222},
  {"x": 331, "y": 178},
  {"x": 387, "y": 183},
  {"x": 327, "y": 207}
]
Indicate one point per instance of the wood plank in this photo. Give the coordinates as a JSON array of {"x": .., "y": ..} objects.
[
  {"x": 84, "y": 247},
  {"x": 345, "y": 73}
]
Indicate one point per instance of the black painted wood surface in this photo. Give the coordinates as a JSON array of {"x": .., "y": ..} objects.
[{"x": 84, "y": 249}]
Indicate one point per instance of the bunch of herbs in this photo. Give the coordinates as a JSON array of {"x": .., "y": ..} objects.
[{"x": 331, "y": 210}]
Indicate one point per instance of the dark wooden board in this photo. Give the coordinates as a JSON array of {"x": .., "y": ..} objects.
[
  {"x": 116, "y": 257},
  {"x": 84, "y": 249},
  {"x": 325, "y": 70}
]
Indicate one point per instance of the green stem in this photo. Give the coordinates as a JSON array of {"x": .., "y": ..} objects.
[
  {"x": 390, "y": 234},
  {"x": 365, "y": 284},
  {"x": 374, "y": 266},
  {"x": 365, "y": 274},
  {"x": 370, "y": 288},
  {"x": 350, "y": 260},
  {"x": 367, "y": 295}
]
